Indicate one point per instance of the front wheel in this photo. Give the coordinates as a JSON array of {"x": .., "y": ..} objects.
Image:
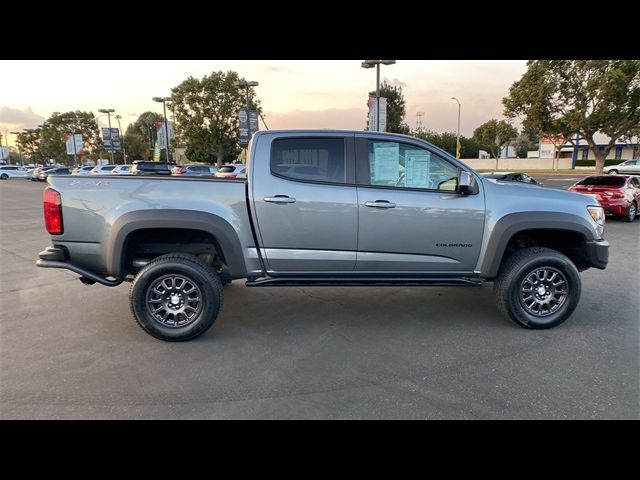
[
  {"x": 4, "y": 176},
  {"x": 176, "y": 297},
  {"x": 537, "y": 288},
  {"x": 631, "y": 213}
]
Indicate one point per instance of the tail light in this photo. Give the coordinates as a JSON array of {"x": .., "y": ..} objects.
[
  {"x": 52, "y": 211},
  {"x": 182, "y": 171},
  {"x": 231, "y": 175},
  {"x": 616, "y": 194}
]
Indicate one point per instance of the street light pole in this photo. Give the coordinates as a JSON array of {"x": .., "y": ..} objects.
[
  {"x": 109, "y": 111},
  {"x": 164, "y": 101},
  {"x": 458, "y": 136},
  {"x": 371, "y": 64}
]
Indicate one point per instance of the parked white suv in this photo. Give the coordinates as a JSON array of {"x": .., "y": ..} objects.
[{"x": 11, "y": 171}]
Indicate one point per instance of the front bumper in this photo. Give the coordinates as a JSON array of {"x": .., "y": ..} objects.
[{"x": 597, "y": 253}]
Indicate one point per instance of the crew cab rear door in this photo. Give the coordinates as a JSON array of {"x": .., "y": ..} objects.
[
  {"x": 305, "y": 201},
  {"x": 411, "y": 216}
]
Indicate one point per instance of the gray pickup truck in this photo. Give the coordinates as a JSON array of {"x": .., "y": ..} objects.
[{"x": 324, "y": 208}]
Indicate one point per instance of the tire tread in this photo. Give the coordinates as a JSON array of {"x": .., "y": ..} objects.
[{"x": 207, "y": 271}]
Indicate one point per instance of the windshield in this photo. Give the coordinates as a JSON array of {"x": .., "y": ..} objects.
[{"x": 603, "y": 181}]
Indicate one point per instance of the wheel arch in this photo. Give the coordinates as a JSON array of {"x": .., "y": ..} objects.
[
  {"x": 222, "y": 232},
  {"x": 560, "y": 231}
]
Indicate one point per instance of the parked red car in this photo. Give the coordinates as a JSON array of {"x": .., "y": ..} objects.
[{"x": 618, "y": 194}]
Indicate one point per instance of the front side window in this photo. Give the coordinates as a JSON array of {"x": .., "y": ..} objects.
[
  {"x": 394, "y": 164},
  {"x": 310, "y": 159}
]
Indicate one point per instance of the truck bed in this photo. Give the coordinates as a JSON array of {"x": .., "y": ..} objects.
[{"x": 96, "y": 209}]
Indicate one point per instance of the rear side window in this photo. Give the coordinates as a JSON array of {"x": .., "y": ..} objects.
[
  {"x": 199, "y": 169},
  {"x": 603, "y": 181},
  {"x": 311, "y": 159}
]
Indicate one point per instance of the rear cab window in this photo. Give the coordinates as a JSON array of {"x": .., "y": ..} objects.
[{"x": 309, "y": 159}]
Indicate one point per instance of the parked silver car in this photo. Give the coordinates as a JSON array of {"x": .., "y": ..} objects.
[
  {"x": 121, "y": 170},
  {"x": 103, "y": 169},
  {"x": 238, "y": 171},
  {"x": 85, "y": 170},
  {"x": 191, "y": 170},
  {"x": 44, "y": 174},
  {"x": 630, "y": 166}
]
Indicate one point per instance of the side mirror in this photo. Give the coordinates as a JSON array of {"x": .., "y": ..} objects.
[{"x": 465, "y": 183}]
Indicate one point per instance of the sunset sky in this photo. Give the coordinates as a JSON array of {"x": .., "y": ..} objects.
[{"x": 294, "y": 94}]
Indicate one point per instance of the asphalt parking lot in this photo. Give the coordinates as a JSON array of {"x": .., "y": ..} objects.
[{"x": 69, "y": 351}]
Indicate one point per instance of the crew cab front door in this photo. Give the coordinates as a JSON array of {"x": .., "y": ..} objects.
[
  {"x": 305, "y": 203},
  {"x": 411, "y": 216}
]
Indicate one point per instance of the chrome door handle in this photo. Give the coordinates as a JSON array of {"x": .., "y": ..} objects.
[
  {"x": 279, "y": 199},
  {"x": 380, "y": 204}
]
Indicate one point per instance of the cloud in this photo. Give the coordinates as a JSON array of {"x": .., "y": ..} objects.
[
  {"x": 16, "y": 119},
  {"x": 276, "y": 68},
  {"x": 335, "y": 118}
]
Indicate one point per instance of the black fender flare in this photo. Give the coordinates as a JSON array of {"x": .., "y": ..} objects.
[
  {"x": 221, "y": 230},
  {"x": 511, "y": 224}
]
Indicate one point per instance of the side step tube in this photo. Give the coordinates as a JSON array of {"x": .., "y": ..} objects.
[
  {"x": 87, "y": 276},
  {"x": 363, "y": 282}
]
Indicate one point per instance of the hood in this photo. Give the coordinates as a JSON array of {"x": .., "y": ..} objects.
[{"x": 528, "y": 197}]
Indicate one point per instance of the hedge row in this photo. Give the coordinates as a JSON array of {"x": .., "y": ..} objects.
[{"x": 592, "y": 163}]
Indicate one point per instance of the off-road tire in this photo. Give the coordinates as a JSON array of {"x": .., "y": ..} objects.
[
  {"x": 509, "y": 287},
  {"x": 199, "y": 274}
]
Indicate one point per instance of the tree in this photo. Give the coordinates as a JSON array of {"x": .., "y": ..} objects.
[
  {"x": 137, "y": 148},
  {"x": 566, "y": 98},
  {"x": 493, "y": 136},
  {"x": 396, "y": 108},
  {"x": 206, "y": 113},
  {"x": 139, "y": 137},
  {"x": 522, "y": 145},
  {"x": 56, "y": 127},
  {"x": 447, "y": 142},
  {"x": 29, "y": 142}
]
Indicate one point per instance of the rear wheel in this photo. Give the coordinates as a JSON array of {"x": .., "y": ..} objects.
[
  {"x": 176, "y": 297},
  {"x": 613, "y": 172},
  {"x": 631, "y": 213},
  {"x": 537, "y": 288}
]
